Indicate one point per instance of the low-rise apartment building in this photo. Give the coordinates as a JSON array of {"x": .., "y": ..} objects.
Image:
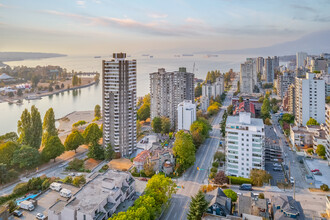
[
  {"x": 97, "y": 199},
  {"x": 245, "y": 144}
]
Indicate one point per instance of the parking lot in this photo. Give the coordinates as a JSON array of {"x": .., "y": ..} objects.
[
  {"x": 278, "y": 176},
  {"x": 321, "y": 165},
  {"x": 46, "y": 200}
]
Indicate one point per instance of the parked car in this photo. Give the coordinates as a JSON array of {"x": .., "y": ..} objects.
[
  {"x": 144, "y": 179},
  {"x": 292, "y": 180},
  {"x": 40, "y": 216},
  {"x": 277, "y": 169},
  {"x": 17, "y": 213},
  {"x": 315, "y": 170},
  {"x": 246, "y": 187},
  {"x": 317, "y": 173},
  {"x": 276, "y": 165}
]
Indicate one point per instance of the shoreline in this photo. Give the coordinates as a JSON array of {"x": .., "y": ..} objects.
[{"x": 39, "y": 96}]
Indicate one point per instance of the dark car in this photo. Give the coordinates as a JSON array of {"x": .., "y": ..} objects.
[
  {"x": 277, "y": 169},
  {"x": 247, "y": 187},
  {"x": 17, "y": 213}
]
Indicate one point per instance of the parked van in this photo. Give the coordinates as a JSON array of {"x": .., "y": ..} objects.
[
  {"x": 246, "y": 187},
  {"x": 65, "y": 193},
  {"x": 27, "y": 205},
  {"x": 56, "y": 186}
]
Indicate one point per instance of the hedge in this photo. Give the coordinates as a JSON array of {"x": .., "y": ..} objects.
[{"x": 239, "y": 180}]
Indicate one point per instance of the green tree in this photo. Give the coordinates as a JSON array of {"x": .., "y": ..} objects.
[
  {"x": 73, "y": 141},
  {"x": 312, "y": 121},
  {"x": 36, "y": 127},
  {"x": 240, "y": 99},
  {"x": 230, "y": 194},
  {"x": 53, "y": 148},
  {"x": 27, "y": 157},
  {"x": 109, "y": 153},
  {"x": 198, "y": 90},
  {"x": 200, "y": 131},
  {"x": 48, "y": 126},
  {"x": 265, "y": 109},
  {"x": 157, "y": 124},
  {"x": 19, "y": 92},
  {"x": 97, "y": 111},
  {"x": 7, "y": 151},
  {"x": 35, "y": 81},
  {"x": 166, "y": 125},
  {"x": 3, "y": 173},
  {"x": 288, "y": 118},
  {"x": 259, "y": 177},
  {"x": 143, "y": 113},
  {"x": 320, "y": 150},
  {"x": 75, "y": 80},
  {"x": 148, "y": 169},
  {"x": 24, "y": 128},
  {"x": 92, "y": 134},
  {"x": 96, "y": 151},
  {"x": 230, "y": 109},
  {"x": 198, "y": 206},
  {"x": 184, "y": 149}
]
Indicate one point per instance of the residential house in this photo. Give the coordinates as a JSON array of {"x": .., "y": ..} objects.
[
  {"x": 285, "y": 208},
  {"x": 220, "y": 203},
  {"x": 252, "y": 205},
  {"x": 140, "y": 160}
]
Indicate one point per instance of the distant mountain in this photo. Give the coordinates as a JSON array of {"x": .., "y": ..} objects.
[
  {"x": 314, "y": 43},
  {"x": 17, "y": 56}
]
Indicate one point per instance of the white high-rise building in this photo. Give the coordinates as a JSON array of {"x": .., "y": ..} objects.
[
  {"x": 119, "y": 104},
  {"x": 269, "y": 70},
  {"x": 186, "y": 114},
  {"x": 300, "y": 59},
  {"x": 309, "y": 99},
  {"x": 248, "y": 76},
  {"x": 245, "y": 144},
  {"x": 213, "y": 89}
]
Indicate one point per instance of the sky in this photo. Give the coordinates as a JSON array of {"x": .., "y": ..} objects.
[{"x": 81, "y": 27}]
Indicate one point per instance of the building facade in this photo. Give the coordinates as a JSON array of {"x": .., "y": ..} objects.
[
  {"x": 245, "y": 144},
  {"x": 260, "y": 65},
  {"x": 310, "y": 99},
  {"x": 215, "y": 89},
  {"x": 283, "y": 82},
  {"x": 269, "y": 70},
  {"x": 248, "y": 76},
  {"x": 167, "y": 90},
  {"x": 300, "y": 59},
  {"x": 119, "y": 104},
  {"x": 327, "y": 133},
  {"x": 186, "y": 114}
]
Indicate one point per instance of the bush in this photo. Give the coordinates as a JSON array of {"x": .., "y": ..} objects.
[
  {"x": 230, "y": 194},
  {"x": 324, "y": 187},
  {"x": 215, "y": 164},
  {"x": 12, "y": 206},
  {"x": 239, "y": 180},
  {"x": 214, "y": 170},
  {"x": 261, "y": 196},
  {"x": 212, "y": 175},
  {"x": 79, "y": 180},
  {"x": 76, "y": 164},
  {"x": 21, "y": 188},
  {"x": 79, "y": 123},
  {"x": 45, "y": 185},
  {"x": 67, "y": 179}
]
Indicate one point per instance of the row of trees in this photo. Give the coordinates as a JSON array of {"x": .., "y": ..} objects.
[
  {"x": 199, "y": 130},
  {"x": 148, "y": 206},
  {"x": 161, "y": 125}
]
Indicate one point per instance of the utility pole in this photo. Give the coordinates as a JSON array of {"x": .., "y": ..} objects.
[{"x": 294, "y": 188}]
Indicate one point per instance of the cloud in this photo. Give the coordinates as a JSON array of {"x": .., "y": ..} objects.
[
  {"x": 81, "y": 3},
  {"x": 303, "y": 7},
  {"x": 156, "y": 15},
  {"x": 194, "y": 20}
]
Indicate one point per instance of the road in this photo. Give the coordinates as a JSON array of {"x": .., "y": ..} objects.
[
  {"x": 193, "y": 178},
  {"x": 55, "y": 171}
]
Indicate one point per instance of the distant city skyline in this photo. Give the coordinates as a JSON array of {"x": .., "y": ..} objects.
[{"x": 97, "y": 26}]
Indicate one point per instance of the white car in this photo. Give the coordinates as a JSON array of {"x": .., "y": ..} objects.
[
  {"x": 292, "y": 180},
  {"x": 40, "y": 216}
]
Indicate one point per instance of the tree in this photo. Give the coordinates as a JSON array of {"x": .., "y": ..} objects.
[
  {"x": 240, "y": 99},
  {"x": 109, "y": 153},
  {"x": 92, "y": 134},
  {"x": 265, "y": 109},
  {"x": 10, "y": 94},
  {"x": 213, "y": 109},
  {"x": 156, "y": 124},
  {"x": 27, "y": 157},
  {"x": 268, "y": 122},
  {"x": 261, "y": 196},
  {"x": 75, "y": 80},
  {"x": 198, "y": 90},
  {"x": 53, "y": 148},
  {"x": 320, "y": 150},
  {"x": 161, "y": 188},
  {"x": 184, "y": 149},
  {"x": 95, "y": 151},
  {"x": 230, "y": 194},
  {"x": 73, "y": 141},
  {"x": 219, "y": 156},
  {"x": 35, "y": 81},
  {"x": 3, "y": 173},
  {"x": 143, "y": 113},
  {"x": 259, "y": 177},
  {"x": 7, "y": 151},
  {"x": 149, "y": 169},
  {"x": 288, "y": 118},
  {"x": 327, "y": 99},
  {"x": 230, "y": 109},
  {"x": 166, "y": 125},
  {"x": 197, "y": 207},
  {"x": 220, "y": 178},
  {"x": 19, "y": 92},
  {"x": 24, "y": 128},
  {"x": 312, "y": 121},
  {"x": 76, "y": 164},
  {"x": 200, "y": 131},
  {"x": 324, "y": 187},
  {"x": 48, "y": 126},
  {"x": 97, "y": 111},
  {"x": 36, "y": 128}
]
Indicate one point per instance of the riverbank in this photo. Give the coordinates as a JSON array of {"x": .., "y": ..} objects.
[{"x": 39, "y": 95}]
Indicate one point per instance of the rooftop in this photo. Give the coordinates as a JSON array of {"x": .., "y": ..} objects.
[
  {"x": 236, "y": 121},
  {"x": 142, "y": 156}
]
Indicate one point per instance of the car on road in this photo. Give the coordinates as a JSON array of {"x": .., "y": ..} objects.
[
  {"x": 291, "y": 180},
  {"x": 315, "y": 170},
  {"x": 245, "y": 186},
  {"x": 17, "y": 213},
  {"x": 277, "y": 169},
  {"x": 318, "y": 173},
  {"x": 72, "y": 174},
  {"x": 276, "y": 165},
  {"x": 40, "y": 216}
]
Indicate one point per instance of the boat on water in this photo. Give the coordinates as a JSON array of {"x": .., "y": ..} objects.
[
  {"x": 145, "y": 55},
  {"x": 32, "y": 97},
  {"x": 187, "y": 55},
  {"x": 211, "y": 55},
  {"x": 97, "y": 57},
  {"x": 151, "y": 57}
]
